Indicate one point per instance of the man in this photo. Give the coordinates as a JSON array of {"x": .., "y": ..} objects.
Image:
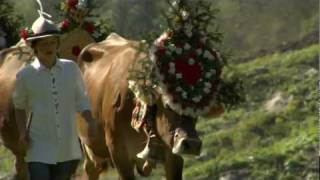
[{"x": 51, "y": 90}]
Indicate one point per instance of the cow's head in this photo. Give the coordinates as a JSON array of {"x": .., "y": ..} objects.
[{"x": 177, "y": 131}]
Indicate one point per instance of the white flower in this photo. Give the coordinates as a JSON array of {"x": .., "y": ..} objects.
[
  {"x": 189, "y": 33},
  {"x": 196, "y": 99},
  {"x": 185, "y": 15},
  {"x": 191, "y": 61},
  {"x": 199, "y": 51},
  {"x": 172, "y": 70},
  {"x": 213, "y": 71},
  {"x": 174, "y": 3},
  {"x": 184, "y": 95},
  {"x": 178, "y": 89},
  {"x": 208, "y": 55},
  {"x": 178, "y": 50},
  {"x": 208, "y": 85},
  {"x": 208, "y": 74},
  {"x": 132, "y": 84},
  {"x": 171, "y": 64},
  {"x": 206, "y": 90},
  {"x": 178, "y": 75},
  {"x": 187, "y": 46},
  {"x": 172, "y": 47},
  {"x": 82, "y": 4}
]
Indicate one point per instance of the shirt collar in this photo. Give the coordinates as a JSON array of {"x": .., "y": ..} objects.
[{"x": 40, "y": 67}]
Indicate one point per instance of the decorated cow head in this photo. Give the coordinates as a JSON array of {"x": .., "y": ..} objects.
[{"x": 184, "y": 73}]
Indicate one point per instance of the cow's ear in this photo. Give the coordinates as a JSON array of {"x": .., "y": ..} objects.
[
  {"x": 86, "y": 56},
  {"x": 215, "y": 112}
]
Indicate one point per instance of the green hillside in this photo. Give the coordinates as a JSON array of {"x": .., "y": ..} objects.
[{"x": 259, "y": 142}]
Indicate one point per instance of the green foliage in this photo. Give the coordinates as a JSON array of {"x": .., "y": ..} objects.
[
  {"x": 10, "y": 22},
  {"x": 6, "y": 161}
]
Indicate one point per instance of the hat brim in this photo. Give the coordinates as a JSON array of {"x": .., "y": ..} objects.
[{"x": 43, "y": 35}]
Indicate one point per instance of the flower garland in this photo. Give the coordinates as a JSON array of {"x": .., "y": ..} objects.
[
  {"x": 188, "y": 71},
  {"x": 75, "y": 15},
  {"x": 76, "y": 12},
  {"x": 26, "y": 33}
]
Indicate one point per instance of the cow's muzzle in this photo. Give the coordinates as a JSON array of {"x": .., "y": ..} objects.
[{"x": 187, "y": 146}]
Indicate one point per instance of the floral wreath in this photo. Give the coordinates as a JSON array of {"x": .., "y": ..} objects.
[
  {"x": 188, "y": 71},
  {"x": 184, "y": 65},
  {"x": 75, "y": 12}
]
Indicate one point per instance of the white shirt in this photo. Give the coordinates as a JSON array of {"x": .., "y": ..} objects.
[{"x": 53, "y": 96}]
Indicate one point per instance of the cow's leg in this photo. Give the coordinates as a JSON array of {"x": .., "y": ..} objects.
[
  {"x": 93, "y": 165},
  {"x": 120, "y": 158},
  {"x": 173, "y": 166},
  {"x": 21, "y": 168},
  {"x": 91, "y": 172}
]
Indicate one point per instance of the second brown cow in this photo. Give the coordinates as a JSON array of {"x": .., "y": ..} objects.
[{"x": 106, "y": 66}]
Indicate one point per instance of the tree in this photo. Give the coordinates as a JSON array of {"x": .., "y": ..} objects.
[{"x": 10, "y": 22}]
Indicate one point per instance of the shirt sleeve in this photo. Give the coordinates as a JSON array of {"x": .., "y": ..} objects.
[
  {"x": 19, "y": 96},
  {"x": 82, "y": 99}
]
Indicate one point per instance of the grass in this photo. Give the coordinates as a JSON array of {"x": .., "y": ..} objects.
[{"x": 269, "y": 145}]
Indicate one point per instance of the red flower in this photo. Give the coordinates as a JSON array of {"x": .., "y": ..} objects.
[
  {"x": 193, "y": 55},
  {"x": 65, "y": 24},
  {"x": 200, "y": 45},
  {"x": 90, "y": 27},
  {"x": 72, "y": 3},
  {"x": 190, "y": 73},
  {"x": 24, "y": 34},
  {"x": 178, "y": 45},
  {"x": 76, "y": 50},
  {"x": 160, "y": 51}
]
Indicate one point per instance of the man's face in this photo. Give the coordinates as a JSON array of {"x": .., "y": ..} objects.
[{"x": 47, "y": 47}]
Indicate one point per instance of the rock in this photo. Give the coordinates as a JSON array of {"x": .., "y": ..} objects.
[
  {"x": 277, "y": 103},
  {"x": 240, "y": 174}
]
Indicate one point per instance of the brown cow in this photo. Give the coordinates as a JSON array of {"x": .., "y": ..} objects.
[
  {"x": 105, "y": 66},
  {"x": 11, "y": 61}
]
